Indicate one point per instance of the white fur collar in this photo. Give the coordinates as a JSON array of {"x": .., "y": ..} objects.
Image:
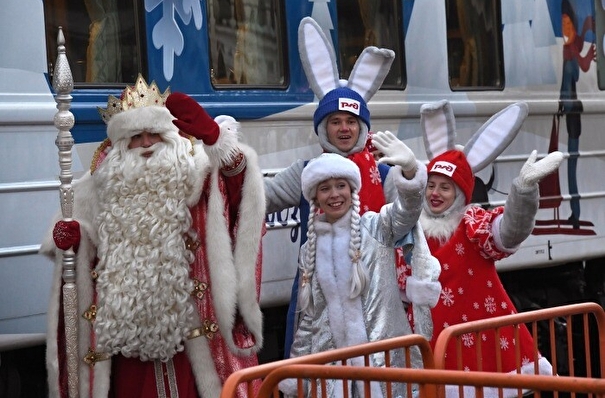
[
  {"x": 333, "y": 272},
  {"x": 438, "y": 226}
]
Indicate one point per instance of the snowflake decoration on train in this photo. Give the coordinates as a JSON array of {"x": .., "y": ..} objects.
[{"x": 166, "y": 33}]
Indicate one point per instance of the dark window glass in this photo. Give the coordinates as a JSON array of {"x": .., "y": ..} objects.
[
  {"x": 102, "y": 38},
  {"x": 247, "y": 43},
  {"x": 474, "y": 44},
  {"x": 364, "y": 23}
]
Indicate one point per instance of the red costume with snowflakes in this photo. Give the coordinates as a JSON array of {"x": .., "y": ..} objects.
[
  {"x": 471, "y": 290},
  {"x": 468, "y": 240}
]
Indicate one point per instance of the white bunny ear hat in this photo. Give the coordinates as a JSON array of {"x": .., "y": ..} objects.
[
  {"x": 439, "y": 133},
  {"x": 319, "y": 63}
]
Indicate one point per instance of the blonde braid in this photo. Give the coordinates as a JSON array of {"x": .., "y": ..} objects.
[
  {"x": 307, "y": 266},
  {"x": 359, "y": 274}
]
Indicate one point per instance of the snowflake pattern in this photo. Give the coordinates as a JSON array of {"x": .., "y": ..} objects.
[
  {"x": 484, "y": 298},
  {"x": 490, "y": 304},
  {"x": 447, "y": 297},
  {"x": 375, "y": 175},
  {"x": 167, "y": 33},
  {"x": 468, "y": 340}
]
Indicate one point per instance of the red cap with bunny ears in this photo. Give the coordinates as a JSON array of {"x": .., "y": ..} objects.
[{"x": 453, "y": 164}]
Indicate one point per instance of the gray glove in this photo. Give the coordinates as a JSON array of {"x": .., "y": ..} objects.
[
  {"x": 395, "y": 151},
  {"x": 532, "y": 172}
]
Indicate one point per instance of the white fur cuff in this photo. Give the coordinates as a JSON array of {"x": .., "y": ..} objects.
[
  {"x": 225, "y": 149},
  {"x": 422, "y": 292}
]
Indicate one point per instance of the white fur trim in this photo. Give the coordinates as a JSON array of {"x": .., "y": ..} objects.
[
  {"x": 247, "y": 248},
  {"x": 324, "y": 167},
  {"x": 154, "y": 119},
  {"x": 102, "y": 379},
  {"x": 236, "y": 266},
  {"x": 498, "y": 237},
  {"x": 422, "y": 292},
  {"x": 202, "y": 168},
  {"x": 224, "y": 150},
  {"x": 206, "y": 378},
  {"x": 333, "y": 271},
  {"x": 221, "y": 265}
]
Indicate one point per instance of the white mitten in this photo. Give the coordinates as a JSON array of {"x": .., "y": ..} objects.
[
  {"x": 532, "y": 172},
  {"x": 395, "y": 151}
]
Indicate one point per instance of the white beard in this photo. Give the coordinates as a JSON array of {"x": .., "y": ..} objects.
[{"x": 144, "y": 306}]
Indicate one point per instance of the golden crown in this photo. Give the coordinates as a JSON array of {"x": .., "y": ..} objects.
[{"x": 138, "y": 96}]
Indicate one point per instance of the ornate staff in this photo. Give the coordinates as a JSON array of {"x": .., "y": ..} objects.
[{"x": 63, "y": 84}]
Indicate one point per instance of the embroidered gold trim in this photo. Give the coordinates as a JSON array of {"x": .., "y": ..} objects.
[
  {"x": 236, "y": 167},
  {"x": 92, "y": 357},
  {"x": 191, "y": 244},
  {"x": 95, "y": 158},
  {"x": 199, "y": 288},
  {"x": 209, "y": 329},
  {"x": 91, "y": 313}
]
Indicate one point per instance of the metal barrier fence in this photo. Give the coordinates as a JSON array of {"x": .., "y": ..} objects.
[
  {"x": 572, "y": 337},
  {"x": 250, "y": 376},
  {"x": 564, "y": 335},
  {"x": 428, "y": 379}
]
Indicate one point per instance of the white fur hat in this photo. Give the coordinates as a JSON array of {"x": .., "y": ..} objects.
[
  {"x": 326, "y": 166},
  {"x": 153, "y": 119}
]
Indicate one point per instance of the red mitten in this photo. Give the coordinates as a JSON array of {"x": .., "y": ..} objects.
[
  {"x": 192, "y": 119},
  {"x": 66, "y": 234}
]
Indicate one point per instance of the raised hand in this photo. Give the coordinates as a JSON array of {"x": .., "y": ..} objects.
[
  {"x": 395, "y": 151},
  {"x": 532, "y": 172},
  {"x": 192, "y": 119}
]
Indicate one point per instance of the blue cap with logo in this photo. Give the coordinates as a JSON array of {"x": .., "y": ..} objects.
[{"x": 342, "y": 99}]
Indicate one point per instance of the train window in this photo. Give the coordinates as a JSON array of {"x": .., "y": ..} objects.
[
  {"x": 474, "y": 44},
  {"x": 381, "y": 26},
  {"x": 102, "y": 39},
  {"x": 246, "y": 43}
]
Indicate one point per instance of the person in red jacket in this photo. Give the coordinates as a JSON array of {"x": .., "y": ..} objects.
[
  {"x": 171, "y": 204},
  {"x": 468, "y": 239}
]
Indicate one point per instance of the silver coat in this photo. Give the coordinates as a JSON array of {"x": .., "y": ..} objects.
[{"x": 336, "y": 320}]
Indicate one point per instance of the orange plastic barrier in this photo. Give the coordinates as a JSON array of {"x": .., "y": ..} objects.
[
  {"x": 567, "y": 331},
  {"x": 564, "y": 332},
  {"x": 426, "y": 379},
  {"x": 334, "y": 356}
]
